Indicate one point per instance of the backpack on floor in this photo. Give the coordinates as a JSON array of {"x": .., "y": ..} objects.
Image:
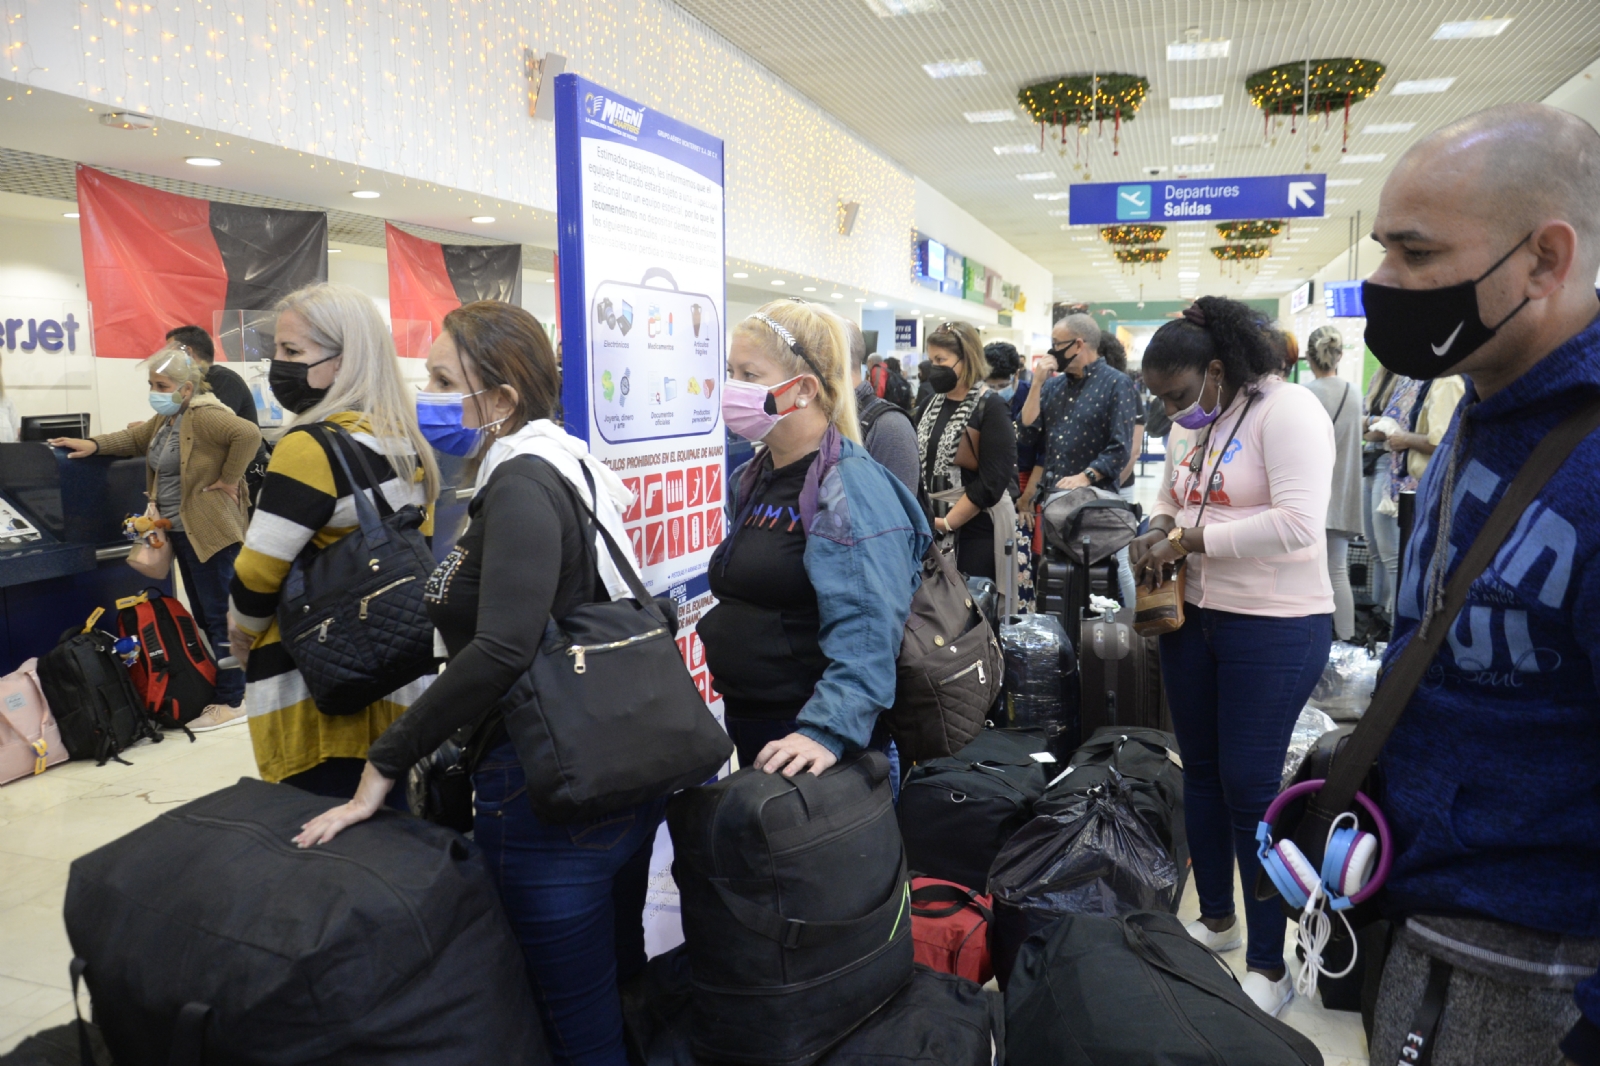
[
  {"x": 94, "y": 702},
  {"x": 949, "y": 670},
  {"x": 1151, "y": 769},
  {"x": 29, "y": 739},
  {"x": 957, "y": 813},
  {"x": 386, "y": 945},
  {"x": 175, "y": 674},
  {"x": 795, "y": 908},
  {"x": 950, "y": 928},
  {"x": 1136, "y": 991}
]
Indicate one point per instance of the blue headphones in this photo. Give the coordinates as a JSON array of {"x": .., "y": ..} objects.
[{"x": 1355, "y": 864}]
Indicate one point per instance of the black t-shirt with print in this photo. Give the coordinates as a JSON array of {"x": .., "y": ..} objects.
[{"x": 761, "y": 639}]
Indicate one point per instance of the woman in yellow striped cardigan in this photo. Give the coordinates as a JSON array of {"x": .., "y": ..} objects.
[{"x": 334, "y": 362}]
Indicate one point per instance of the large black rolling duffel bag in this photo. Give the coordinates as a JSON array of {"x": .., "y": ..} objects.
[
  {"x": 208, "y": 937},
  {"x": 957, "y": 813},
  {"x": 1136, "y": 990},
  {"x": 796, "y": 908},
  {"x": 1119, "y": 676}
]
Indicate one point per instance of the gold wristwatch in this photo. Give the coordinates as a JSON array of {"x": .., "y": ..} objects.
[{"x": 1175, "y": 538}]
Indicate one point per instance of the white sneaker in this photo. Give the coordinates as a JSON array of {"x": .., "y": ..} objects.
[
  {"x": 1271, "y": 996},
  {"x": 218, "y": 716},
  {"x": 1226, "y": 940}
]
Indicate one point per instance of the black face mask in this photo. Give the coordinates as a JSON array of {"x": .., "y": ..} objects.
[
  {"x": 1424, "y": 333},
  {"x": 288, "y": 383},
  {"x": 940, "y": 379}
]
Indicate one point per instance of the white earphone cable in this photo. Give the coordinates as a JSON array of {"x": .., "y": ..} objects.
[{"x": 1315, "y": 928}]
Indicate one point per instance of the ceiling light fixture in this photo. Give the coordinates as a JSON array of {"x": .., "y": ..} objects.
[
  {"x": 1037, "y": 175},
  {"x": 962, "y": 68},
  {"x": 549, "y": 281},
  {"x": 740, "y": 274},
  {"x": 1188, "y": 140},
  {"x": 69, "y": 214},
  {"x": 836, "y": 296},
  {"x": 1333, "y": 200},
  {"x": 1464, "y": 31},
  {"x": 483, "y": 220},
  {"x": 1187, "y": 51},
  {"x": 1389, "y": 127},
  {"x": 127, "y": 120},
  {"x": 1195, "y": 168},
  {"x": 1335, "y": 182},
  {"x": 1016, "y": 149},
  {"x": 809, "y": 288},
  {"x": 1194, "y": 103},
  {"x": 1058, "y": 213},
  {"x": 1155, "y": 171},
  {"x": 880, "y": 303},
  {"x": 861, "y": 299},
  {"x": 1356, "y": 160},
  {"x": 203, "y": 161},
  {"x": 1050, "y": 195},
  {"x": 886, "y": 9},
  {"x": 1421, "y": 86},
  {"x": 366, "y": 194},
  {"x": 977, "y": 117},
  {"x": 779, "y": 281}
]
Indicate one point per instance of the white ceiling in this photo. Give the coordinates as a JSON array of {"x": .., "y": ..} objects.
[{"x": 867, "y": 71}]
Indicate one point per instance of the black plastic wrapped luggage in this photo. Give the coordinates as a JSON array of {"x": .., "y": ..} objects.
[
  {"x": 796, "y": 908},
  {"x": 957, "y": 813},
  {"x": 209, "y": 929},
  {"x": 1136, "y": 991}
]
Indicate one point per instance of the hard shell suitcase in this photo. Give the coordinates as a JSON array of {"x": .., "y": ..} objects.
[
  {"x": 95, "y": 704},
  {"x": 175, "y": 674},
  {"x": 1062, "y": 587},
  {"x": 957, "y": 813},
  {"x": 29, "y": 739},
  {"x": 1136, "y": 990},
  {"x": 1119, "y": 675},
  {"x": 208, "y": 936},
  {"x": 795, "y": 908}
]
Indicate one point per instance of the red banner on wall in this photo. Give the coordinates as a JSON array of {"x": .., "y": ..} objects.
[
  {"x": 154, "y": 260},
  {"x": 428, "y": 280}
]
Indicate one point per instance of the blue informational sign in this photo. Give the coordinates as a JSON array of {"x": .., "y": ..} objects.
[
  {"x": 639, "y": 212},
  {"x": 1199, "y": 199},
  {"x": 1342, "y": 299}
]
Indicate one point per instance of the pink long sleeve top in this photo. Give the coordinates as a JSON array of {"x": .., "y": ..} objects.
[{"x": 1266, "y": 550}]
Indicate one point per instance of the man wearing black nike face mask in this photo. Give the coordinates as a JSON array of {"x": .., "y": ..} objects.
[{"x": 1491, "y": 235}]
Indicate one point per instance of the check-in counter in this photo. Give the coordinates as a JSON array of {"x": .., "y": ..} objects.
[{"x": 62, "y": 552}]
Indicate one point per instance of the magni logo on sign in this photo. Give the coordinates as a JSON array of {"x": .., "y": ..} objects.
[{"x": 618, "y": 116}]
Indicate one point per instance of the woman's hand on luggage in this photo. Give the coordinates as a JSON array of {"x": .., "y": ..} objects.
[
  {"x": 793, "y": 754},
  {"x": 370, "y": 794},
  {"x": 228, "y": 489},
  {"x": 76, "y": 447}
]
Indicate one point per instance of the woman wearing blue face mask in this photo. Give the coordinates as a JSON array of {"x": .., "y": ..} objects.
[
  {"x": 1248, "y": 474},
  {"x": 197, "y": 451}
]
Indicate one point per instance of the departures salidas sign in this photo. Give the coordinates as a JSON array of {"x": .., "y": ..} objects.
[{"x": 1209, "y": 200}]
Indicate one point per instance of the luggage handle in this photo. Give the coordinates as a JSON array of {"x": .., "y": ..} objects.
[
  {"x": 811, "y": 794},
  {"x": 793, "y": 933},
  {"x": 957, "y": 897}
]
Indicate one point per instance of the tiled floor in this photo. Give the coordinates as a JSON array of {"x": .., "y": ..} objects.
[{"x": 47, "y": 821}]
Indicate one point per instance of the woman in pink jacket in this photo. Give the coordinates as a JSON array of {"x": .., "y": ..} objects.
[{"x": 1248, "y": 475}]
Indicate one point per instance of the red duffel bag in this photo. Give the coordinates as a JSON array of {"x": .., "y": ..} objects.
[{"x": 950, "y": 928}]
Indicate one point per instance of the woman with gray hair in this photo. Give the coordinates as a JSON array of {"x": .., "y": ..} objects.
[{"x": 1342, "y": 401}]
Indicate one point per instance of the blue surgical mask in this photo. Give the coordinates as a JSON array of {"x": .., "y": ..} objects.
[
  {"x": 440, "y": 417},
  {"x": 1008, "y": 392},
  {"x": 166, "y": 403}
]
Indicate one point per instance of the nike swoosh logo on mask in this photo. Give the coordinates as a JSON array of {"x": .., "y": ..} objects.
[{"x": 1449, "y": 342}]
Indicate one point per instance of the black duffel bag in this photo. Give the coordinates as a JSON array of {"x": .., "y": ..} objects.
[
  {"x": 1151, "y": 770},
  {"x": 607, "y": 715},
  {"x": 1136, "y": 990},
  {"x": 207, "y": 936},
  {"x": 956, "y": 813},
  {"x": 796, "y": 908},
  {"x": 351, "y": 615}
]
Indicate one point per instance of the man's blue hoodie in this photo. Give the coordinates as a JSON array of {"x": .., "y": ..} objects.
[{"x": 1492, "y": 777}]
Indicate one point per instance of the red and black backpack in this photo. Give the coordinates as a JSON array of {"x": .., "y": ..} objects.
[{"x": 175, "y": 674}]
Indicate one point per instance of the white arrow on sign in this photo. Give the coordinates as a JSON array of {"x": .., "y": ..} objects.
[{"x": 1300, "y": 193}]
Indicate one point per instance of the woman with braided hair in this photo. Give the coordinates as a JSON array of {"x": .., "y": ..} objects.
[
  {"x": 815, "y": 579},
  {"x": 1249, "y": 467}
]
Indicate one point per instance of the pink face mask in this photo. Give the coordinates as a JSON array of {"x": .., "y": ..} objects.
[{"x": 751, "y": 410}]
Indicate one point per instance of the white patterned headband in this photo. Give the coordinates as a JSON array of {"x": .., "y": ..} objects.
[{"x": 788, "y": 338}]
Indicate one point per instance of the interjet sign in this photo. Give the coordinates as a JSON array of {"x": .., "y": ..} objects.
[{"x": 1210, "y": 200}]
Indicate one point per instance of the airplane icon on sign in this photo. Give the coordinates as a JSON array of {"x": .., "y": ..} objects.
[{"x": 1133, "y": 202}]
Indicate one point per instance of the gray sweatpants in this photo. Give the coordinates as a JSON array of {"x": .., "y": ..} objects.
[{"x": 1485, "y": 1022}]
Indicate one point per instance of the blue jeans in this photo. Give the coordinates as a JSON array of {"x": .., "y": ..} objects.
[
  {"x": 575, "y": 897},
  {"x": 207, "y": 585},
  {"x": 1235, "y": 684}
]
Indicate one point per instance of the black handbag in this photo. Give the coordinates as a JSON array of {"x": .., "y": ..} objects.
[
  {"x": 351, "y": 615},
  {"x": 607, "y": 715}
]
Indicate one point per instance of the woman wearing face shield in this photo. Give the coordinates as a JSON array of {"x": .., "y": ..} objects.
[
  {"x": 815, "y": 577},
  {"x": 1249, "y": 471},
  {"x": 197, "y": 452}
]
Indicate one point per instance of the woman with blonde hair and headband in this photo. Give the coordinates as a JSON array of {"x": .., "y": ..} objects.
[
  {"x": 197, "y": 451},
  {"x": 815, "y": 577}
]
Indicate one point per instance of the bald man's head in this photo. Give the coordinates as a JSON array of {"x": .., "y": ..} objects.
[{"x": 1514, "y": 167}]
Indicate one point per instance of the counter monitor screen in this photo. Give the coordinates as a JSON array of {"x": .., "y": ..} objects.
[{"x": 43, "y": 427}]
